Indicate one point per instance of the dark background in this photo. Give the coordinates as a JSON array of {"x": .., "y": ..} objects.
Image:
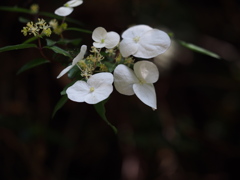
[{"x": 193, "y": 135}]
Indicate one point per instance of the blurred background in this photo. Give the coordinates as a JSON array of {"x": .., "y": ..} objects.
[{"x": 193, "y": 135}]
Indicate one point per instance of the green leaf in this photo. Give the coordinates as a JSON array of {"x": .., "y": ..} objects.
[
  {"x": 16, "y": 47},
  {"x": 23, "y": 20},
  {"x": 30, "y": 40},
  {"x": 32, "y": 64},
  {"x": 199, "y": 49},
  {"x": 58, "y": 50},
  {"x": 59, "y": 104},
  {"x": 79, "y": 30},
  {"x": 50, "y": 42},
  {"x": 100, "y": 108},
  {"x": 51, "y": 15},
  {"x": 75, "y": 42},
  {"x": 73, "y": 72},
  {"x": 15, "y": 9},
  {"x": 110, "y": 66}
]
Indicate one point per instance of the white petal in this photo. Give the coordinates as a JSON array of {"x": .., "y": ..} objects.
[
  {"x": 124, "y": 78},
  {"x": 63, "y": 11},
  {"x": 153, "y": 43},
  {"x": 99, "y": 94},
  {"x": 128, "y": 47},
  {"x": 98, "y": 79},
  {"x": 147, "y": 71},
  {"x": 146, "y": 93},
  {"x": 98, "y": 34},
  {"x": 73, "y": 3},
  {"x": 64, "y": 71},
  {"x": 78, "y": 91},
  {"x": 112, "y": 40},
  {"x": 99, "y": 45},
  {"x": 80, "y": 55},
  {"x": 134, "y": 31}
]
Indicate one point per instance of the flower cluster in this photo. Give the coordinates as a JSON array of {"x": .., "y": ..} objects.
[
  {"x": 100, "y": 70},
  {"x": 34, "y": 8},
  {"x": 39, "y": 28},
  {"x": 58, "y": 29},
  {"x": 67, "y": 8}
]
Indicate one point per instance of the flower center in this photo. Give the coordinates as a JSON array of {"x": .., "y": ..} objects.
[
  {"x": 91, "y": 89},
  {"x": 142, "y": 81},
  {"x": 136, "y": 39},
  {"x": 102, "y": 41}
]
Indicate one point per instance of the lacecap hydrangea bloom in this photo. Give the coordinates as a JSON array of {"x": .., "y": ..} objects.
[
  {"x": 105, "y": 39},
  {"x": 79, "y": 57},
  {"x": 97, "y": 88},
  {"x": 138, "y": 81},
  {"x": 67, "y": 8},
  {"x": 142, "y": 41}
]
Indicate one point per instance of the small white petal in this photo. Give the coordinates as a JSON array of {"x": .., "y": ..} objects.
[
  {"x": 134, "y": 31},
  {"x": 147, "y": 71},
  {"x": 75, "y": 61},
  {"x": 64, "y": 71},
  {"x": 63, "y": 11},
  {"x": 73, "y": 3},
  {"x": 124, "y": 78},
  {"x": 146, "y": 93},
  {"x": 99, "y": 94},
  {"x": 80, "y": 55},
  {"x": 78, "y": 91},
  {"x": 112, "y": 40},
  {"x": 98, "y": 79},
  {"x": 99, "y": 34},
  {"x": 153, "y": 43},
  {"x": 128, "y": 47},
  {"x": 98, "y": 45}
]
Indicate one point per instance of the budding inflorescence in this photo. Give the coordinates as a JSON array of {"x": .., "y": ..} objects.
[
  {"x": 40, "y": 28},
  {"x": 34, "y": 8},
  {"x": 57, "y": 29}
]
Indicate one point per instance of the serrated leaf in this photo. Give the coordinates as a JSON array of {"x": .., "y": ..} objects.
[
  {"x": 32, "y": 64},
  {"x": 199, "y": 49},
  {"x": 79, "y": 30},
  {"x": 15, "y": 9},
  {"x": 17, "y": 46},
  {"x": 58, "y": 50},
  {"x": 59, "y": 104},
  {"x": 100, "y": 108}
]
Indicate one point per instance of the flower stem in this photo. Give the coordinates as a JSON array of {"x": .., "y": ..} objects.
[{"x": 41, "y": 50}]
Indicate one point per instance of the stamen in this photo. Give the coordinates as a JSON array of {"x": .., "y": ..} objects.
[
  {"x": 91, "y": 89},
  {"x": 136, "y": 39}
]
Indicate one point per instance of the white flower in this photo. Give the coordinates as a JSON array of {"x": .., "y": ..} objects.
[
  {"x": 139, "y": 82},
  {"x": 97, "y": 88},
  {"x": 63, "y": 11},
  {"x": 67, "y": 8},
  {"x": 75, "y": 61},
  {"x": 73, "y": 3},
  {"x": 105, "y": 39},
  {"x": 144, "y": 42}
]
